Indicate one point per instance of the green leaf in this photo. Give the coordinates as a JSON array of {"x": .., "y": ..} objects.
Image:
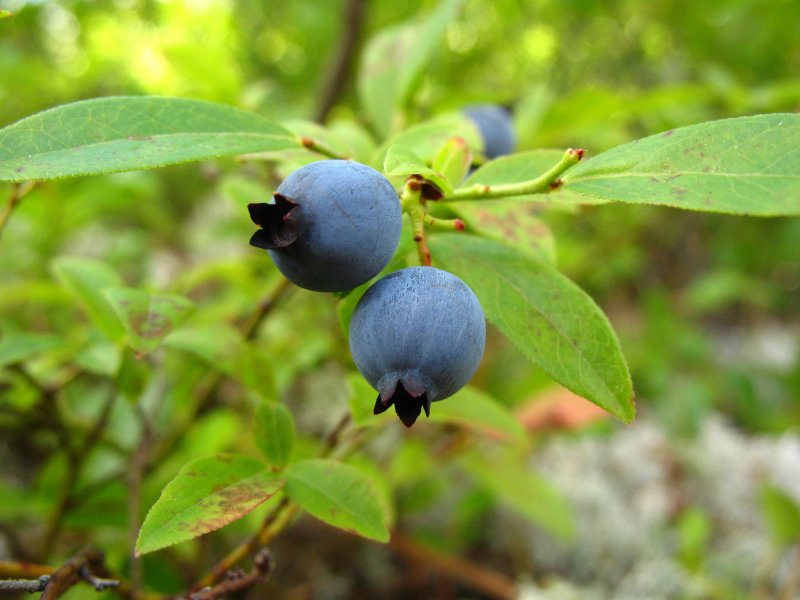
[
  {"x": 219, "y": 345},
  {"x": 428, "y": 137},
  {"x": 124, "y": 133},
  {"x": 475, "y": 410},
  {"x": 148, "y": 318},
  {"x": 273, "y": 429},
  {"x": 5, "y": 13},
  {"x": 782, "y": 515},
  {"x": 524, "y": 166},
  {"x": 340, "y": 495},
  {"x": 453, "y": 160},
  {"x": 86, "y": 279},
  {"x": 208, "y": 493},
  {"x": 510, "y": 222},
  {"x": 361, "y": 400},
  {"x": 748, "y": 165},
  {"x": 402, "y": 162},
  {"x": 17, "y": 347},
  {"x": 522, "y": 490},
  {"x": 550, "y": 319},
  {"x": 392, "y": 62}
]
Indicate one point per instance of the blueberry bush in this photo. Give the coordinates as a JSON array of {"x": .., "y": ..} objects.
[{"x": 179, "y": 400}]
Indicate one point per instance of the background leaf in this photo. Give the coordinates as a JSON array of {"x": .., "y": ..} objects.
[
  {"x": 148, "y": 318},
  {"x": 477, "y": 411},
  {"x": 128, "y": 132},
  {"x": 340, "y": 495},
  {"x": 516, "y": 486},
  {"x": 208, "y": 493},
  {"x": 86, "y": 279},
  {"x": 16, "y": 347},
  {"x": 393, "y": 60},
  {"x": 748, "y": 165},
  {"x": 550, "y": 319},
  {"x": 510, "y": 222},
  {"x": 273, "y": 428}
]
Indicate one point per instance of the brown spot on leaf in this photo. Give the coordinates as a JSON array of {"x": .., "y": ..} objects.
[{"x": 149, "y": 325}]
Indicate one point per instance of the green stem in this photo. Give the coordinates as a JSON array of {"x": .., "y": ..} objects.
[
  {"x": 412, "y": 203},
  {"x": 320, "y": 148},
  {"x": 18, "y": 192},
  {"x": 542, "y": 184}
]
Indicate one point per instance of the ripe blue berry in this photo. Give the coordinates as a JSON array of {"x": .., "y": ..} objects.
[
  {"x": 332, "y": 226},
  {"x": 417, "y": 336},
  {"x": 494, "y": 124}
]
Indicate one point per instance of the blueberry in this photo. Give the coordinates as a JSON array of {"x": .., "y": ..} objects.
[
  {"x": 417, "y": 336},
  {"x": 333, "y": 225},
  {"x": 494, "y": 124}
]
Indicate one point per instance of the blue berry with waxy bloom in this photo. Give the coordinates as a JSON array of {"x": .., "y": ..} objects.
[
  {"x": 417, "y": 336},
  {"x": 332, "y": 225},
  {"x": 496, "y": 128}
]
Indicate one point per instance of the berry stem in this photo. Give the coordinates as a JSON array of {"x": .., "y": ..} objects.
[
  {"x": 413, "y": 204},
  {"x": 546, "y": 182},
  {"x": 320, "y": 148}
]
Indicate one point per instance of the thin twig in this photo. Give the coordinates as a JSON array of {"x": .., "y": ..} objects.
[
  {"x": 135, "y": 475},
  {"x": 30, "y": 586},
  {"x": 491, "y": 583},
  {"x": 18, "y": 192},
  {"x": 237, "y": 580},
  {"x": 73, "y": 571},
  {"x": 341, "y": 65}
]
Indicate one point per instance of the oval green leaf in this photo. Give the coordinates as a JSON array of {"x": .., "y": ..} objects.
[
  {"x": 86, "y": 279},
  {"x": 148, "y": 318},
  {"x": 339, "y": 495},
  {"x": 522, "y": 490},
  {"x": 748, "y": 165},
  {"x": 124, "y": 133},
  {"x": 208, "y": 493},
  {"x": 550, "y": 319},
  {"x": 392, "y": 62},
  {"x": 476, "y": 411},
  {"x": 402, "y": 162},
  {"x": 273, "y": 429}
]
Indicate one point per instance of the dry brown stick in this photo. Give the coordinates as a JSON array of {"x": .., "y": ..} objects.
[
  {"x": 479, "y": 578},
  {"x": 237, "y": 581},
  {"x": 81, "y": 566},
  {"x": 341, "y": 64}
]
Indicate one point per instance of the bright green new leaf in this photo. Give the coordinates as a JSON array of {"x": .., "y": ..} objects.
[
  {"x": 125, "y": 133},
  {"x": 208, "y": 493},
  {"x": 550, "y": 319},
  {"x": 782, "y": 515},
  {"x": 340, "y": 495},
  {"x": 402, "y": 162},
  {"x": 511, "y": 222},
  {"x": 748, "y": 165},
  {"x": 86, "y": 279},
  {"x": 453, "y": 160},
  {"x": 508, "y": 477},
  {"x": 427, "y": 138},
  {"x": 148, "y": 318},
  {"x": 273, "y": 428},
  {"x": 474, "y": 410},
  {"x": 17, "y": 347},
  {"x": 392, "y": 62},
  {"x": 524, "y": 166}
]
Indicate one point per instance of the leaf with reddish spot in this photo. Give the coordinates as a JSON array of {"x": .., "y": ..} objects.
[
  {"x": 208, "y": 493},
  {"x": 340, "y": 495},
  {"x": 148, "y": 318}
]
